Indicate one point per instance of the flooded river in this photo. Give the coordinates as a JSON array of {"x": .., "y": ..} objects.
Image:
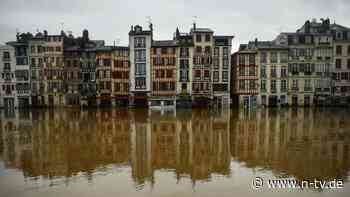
[{"x": 133, "y": 152}]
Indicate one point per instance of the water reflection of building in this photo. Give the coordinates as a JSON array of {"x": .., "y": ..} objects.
[
  {"x": 305, "y": 144},
  {"x": 51, "y": 144}
]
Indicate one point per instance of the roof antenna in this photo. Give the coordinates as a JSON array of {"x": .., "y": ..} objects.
[
  {"x": 62, "y": 25},
  {"x": 194, "y": 18}
]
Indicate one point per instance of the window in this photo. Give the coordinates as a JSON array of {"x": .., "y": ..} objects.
[
  {"x": 263, "y": 57},
  {"x": 284, "y": 57},
  {"x": 183, "y": 75},
  {"x": 241, "y": 60},
  {"x": 216, "y": 76},
  {"x": 241, "y": 84},
  {"x": 216, "y": 51},
  {"x": 295, "y": 84},
  {"x": 252, "y": 71},
  {"x": 241, "y": 71},
  {"x": 140, "y": 42},
  {"x": 198, "y": 38},
  {"x": 338, "y": 63},
  {"x": 140, "y": 69},
  {"x": 338, "y": 49},
  {"x": 224, "y": 76},
  {"x": 140, "y": 83},
  {"x": 197, "y": 74},
  {"x": 307, "y": 86},
  {"x": 225, "y": 51},
  {"x": 252, "y": 59},
  {"x": 273, "y": 58},
  {"x": 207, "y": 50},
  {"x": 263, "y": 85},
  {"x": 199, "y": 49},
  {"x": 169, "y": 73},
  {"x": 207, "y": 38},
  {"x": 284, "y": 86},
  {"x": 184, "y": 64},
  {"x": 348, "y": 64},
  {"x": 163, "y": 51},
  {"x": 273, "y": 86},
  {"x": 140, "y": 55},
  {"x": 263, "y": 71},
  {"x": 184, "y": 52},
  {"x": 273, "y": 71},
  {"x": 251, "y": 84},
  {"x": 225, "y": 63},
  {"x": 349, "y": 50},
  {"x": 206, "y": 74},
  {"x": 283, "y": 72},
  {"x": 216, "y": 63}
]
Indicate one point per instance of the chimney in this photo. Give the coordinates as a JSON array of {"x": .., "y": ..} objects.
[
  {"x": 256, "y": 42},
  {"x": 194, "y": 26}
]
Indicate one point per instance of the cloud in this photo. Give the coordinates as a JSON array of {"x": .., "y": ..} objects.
[{"x": 111, "y": 19}]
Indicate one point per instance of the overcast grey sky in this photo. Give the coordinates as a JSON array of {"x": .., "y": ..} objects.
[{"x": 111, "y": 19}]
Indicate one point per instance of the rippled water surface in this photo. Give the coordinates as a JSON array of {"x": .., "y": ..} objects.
[{"x": 130, "y": 152}]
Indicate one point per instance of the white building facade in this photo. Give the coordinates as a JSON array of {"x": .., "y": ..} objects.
[{"x": 8, "y": 93}]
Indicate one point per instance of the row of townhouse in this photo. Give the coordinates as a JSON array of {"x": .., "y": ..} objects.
[
  {"x": 191, "y": 69},
  {"x": 61, "y": 70},
  {"x": 304, "y": 68}
]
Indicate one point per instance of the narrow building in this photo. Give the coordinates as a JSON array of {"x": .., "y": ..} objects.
[
  {"x": 246, "y": 78},
  {"x": 8, "y": 93},
  {"x": 184, "y": 65},
  {"x": 22, "y": 69},
  {"x": 140, "y": 42},
  {"x": 120, "y": 75},
  {"x": 221, "y": 70},
  {"x": 163, "y": 74}
]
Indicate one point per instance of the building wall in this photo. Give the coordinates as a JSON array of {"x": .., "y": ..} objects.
[
  {"x": 273, "y": 64},
  {"x": 7, "y": 77},
  {"x": 54, "y": 71},
  {"x": 341, "y": 73},
  {"x": 221, "y": 70},
  {"x": 201, "y": 70},
  {"x": 120, "y": 73},
  {"x": 147, "y": 48},
  {"x": 163, "y": 73},
  {"x": 184, "y": 82}
]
